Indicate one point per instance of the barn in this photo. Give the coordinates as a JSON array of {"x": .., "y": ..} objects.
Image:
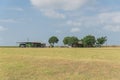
[
  {"x": 79, "y": 44},
  {"x": 31, "y": 44}
]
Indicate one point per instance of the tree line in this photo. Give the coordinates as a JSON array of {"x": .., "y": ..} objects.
[{"x": 72, "y": 41}]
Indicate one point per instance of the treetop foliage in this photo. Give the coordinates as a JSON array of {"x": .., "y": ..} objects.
[
  {"x": 87, "y": 41},
  {"x": 52, "y": 40}
]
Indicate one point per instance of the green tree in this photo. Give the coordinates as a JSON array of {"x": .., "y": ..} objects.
[
  {"x": 70, "y": 41},
  {"x": 52, "y": 40},
  {"x": 66, "y": 40},
  {"x": 100, "y": 41},
  {"x": 89, "y": 41}
]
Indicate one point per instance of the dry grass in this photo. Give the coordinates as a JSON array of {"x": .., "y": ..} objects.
[{"x": 59, "y": 64}]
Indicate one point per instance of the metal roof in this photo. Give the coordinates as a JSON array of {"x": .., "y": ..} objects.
[{"x": 28, "y": 42}]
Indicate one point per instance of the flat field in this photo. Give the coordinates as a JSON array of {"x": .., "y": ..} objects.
[{"x": 59, "y": 63}]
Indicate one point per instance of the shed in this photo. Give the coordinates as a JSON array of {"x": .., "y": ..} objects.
[{"x": 31, "y": 44}]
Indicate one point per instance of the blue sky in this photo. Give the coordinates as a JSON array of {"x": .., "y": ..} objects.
[{"x": 37, "y": 20}]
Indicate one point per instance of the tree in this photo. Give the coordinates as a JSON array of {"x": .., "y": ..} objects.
[
  {"x": 52, "y": 40},
  {"x": 70, "y": 41},
  {"x": 89, "y": 41},
  {"x": 66, "y": 40},
  {"x": 100, "y": 41}
]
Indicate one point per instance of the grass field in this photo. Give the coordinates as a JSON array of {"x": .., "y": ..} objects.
[{"x": 60, "y": 64}]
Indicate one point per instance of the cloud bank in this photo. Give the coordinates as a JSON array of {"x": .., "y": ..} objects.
[
  {"x": 111, "y": 21},
  {"x": 58, "y": 4},
  {"x": 102, "y": 18},
  {"x": 54, "y": 8}
]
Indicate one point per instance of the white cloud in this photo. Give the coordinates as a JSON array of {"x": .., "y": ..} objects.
[
  {"x": 8, "y": 20},
  {"x": 111, "y": 21},
  {"x": 74, "y": 23},
  {"x": 106, "y": 18},
  {"x": 75, "y": 30},
  {"x": 112, "y": 28},
  {"x": 2, "y": 28},
  {"x": 18, "y": 9},
  {"x": 58, "y": 4},
  {"x": 54, "y": 5},
  {"x": 110, "y": 17},
  {"x": 53, "y": 14}
]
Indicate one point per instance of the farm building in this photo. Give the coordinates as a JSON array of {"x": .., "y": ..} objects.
[
  {"x": 31, "y": 44},
  {"x": 79, "y": 44}
]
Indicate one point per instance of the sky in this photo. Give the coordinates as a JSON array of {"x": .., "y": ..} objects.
[{"x": 38, "y": 20}]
